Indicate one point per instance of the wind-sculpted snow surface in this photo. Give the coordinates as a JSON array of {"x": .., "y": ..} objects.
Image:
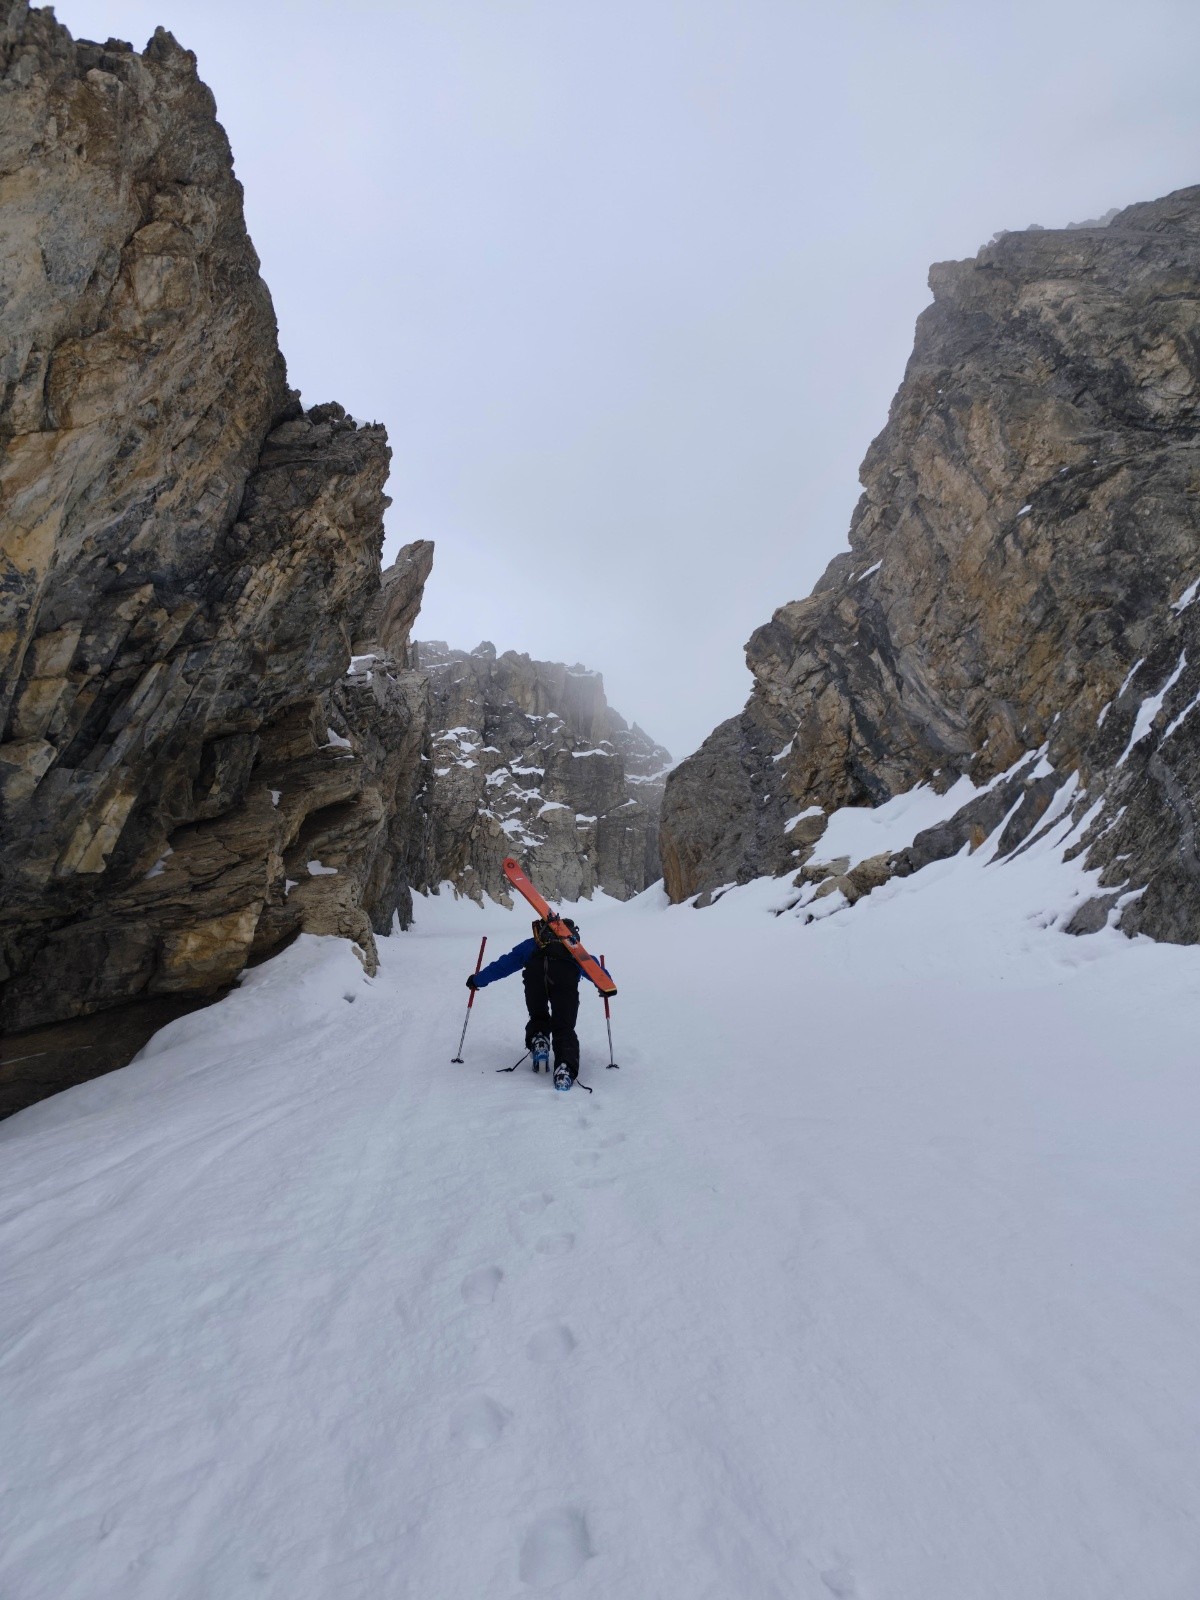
[{"x": 869, "y": 1274}]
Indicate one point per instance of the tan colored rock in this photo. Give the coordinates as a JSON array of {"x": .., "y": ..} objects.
[
  {"x": 216, "y": 948},
  {"x": 186, "y": 559},
  {"x": 807, "y": 831},
  {"x": 1027, "y": 529},
  {"x": 870, "y": 874},
  {"x": 836, "y": 885},
  {"x": 835, "y": 866},
  {"x": 22, "y": 765},
  {"x": 388, "y": 622}
]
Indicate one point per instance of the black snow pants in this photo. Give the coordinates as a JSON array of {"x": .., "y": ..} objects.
[{"x": 551, "y": 979}]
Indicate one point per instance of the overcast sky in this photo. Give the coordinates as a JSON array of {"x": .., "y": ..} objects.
[{"x": 632, "y": 282}]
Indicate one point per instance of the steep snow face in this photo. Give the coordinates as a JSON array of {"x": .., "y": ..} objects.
[{"x": 870, "y": 1272}]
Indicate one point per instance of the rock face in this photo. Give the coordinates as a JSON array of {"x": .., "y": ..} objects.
[
  {"x": 382, "y": 706},
  {"x": 528, "y": 759},
  {"x": 187, "y": 559},
  {"x": 1019, "y": 583},
  {"x": 214, "y": 733}
]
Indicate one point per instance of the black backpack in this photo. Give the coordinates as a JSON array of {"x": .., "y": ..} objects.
[{"x": 546, "y": 939}]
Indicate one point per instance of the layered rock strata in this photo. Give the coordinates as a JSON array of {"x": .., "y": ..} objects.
[
  {"x": 214, "y": 732},
  {"x": 1018, "y": 594},
  {"x": 187, "y": 557},
  {"x": 529, "y": 759},
  {"x": 382, "y": 708}
]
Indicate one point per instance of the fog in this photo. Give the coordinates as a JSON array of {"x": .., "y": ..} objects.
[{"x": 632, "y": 284}]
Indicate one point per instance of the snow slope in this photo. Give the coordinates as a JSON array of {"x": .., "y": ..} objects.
[{"x": 872, "y": 1272}]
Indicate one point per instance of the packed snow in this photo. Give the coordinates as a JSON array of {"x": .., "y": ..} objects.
[
  {"x": 859, "y": 832},
  {"x": 871, "y": 1273},
  {"x": 1150, "y": 707},
  {"x": 801, "y": 816},
  {"x": 160, "y": 866}
]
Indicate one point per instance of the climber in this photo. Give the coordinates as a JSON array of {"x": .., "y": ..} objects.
[{"x": 551, "y": 978}]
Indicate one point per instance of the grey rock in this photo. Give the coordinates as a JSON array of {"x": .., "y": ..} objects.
[
  {"x": 187, "y": 557},
  {"x": 383, "y": 707},
  {"x": 388, "y": 621},
  {"x": 1026, "y": 537},
  {"x": 528, "y": 759}
]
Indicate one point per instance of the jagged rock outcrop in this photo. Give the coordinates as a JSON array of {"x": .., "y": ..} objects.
[
  {"x": 382, "y": 707},
  {"x": 529, "y": 759},
  {"x": 1019, "y": 583},
  {"x": 187, "y": 558}
]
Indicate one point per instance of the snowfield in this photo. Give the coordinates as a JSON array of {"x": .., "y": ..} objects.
[{"x": 872, "y": 1274}]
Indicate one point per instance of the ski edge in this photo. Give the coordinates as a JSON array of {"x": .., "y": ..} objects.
[{"x": 517, "y": 876}]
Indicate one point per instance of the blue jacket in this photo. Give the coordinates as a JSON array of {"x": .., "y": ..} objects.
[{"x": 504, "y": 966}]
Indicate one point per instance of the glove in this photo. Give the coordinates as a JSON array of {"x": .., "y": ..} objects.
[{"x": 471, "y": 984}]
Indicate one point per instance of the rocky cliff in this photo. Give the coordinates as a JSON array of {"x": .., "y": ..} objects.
[
  {"x": 214, "y": 732},
  {"x": 187, "y": 774},
  {"x": 529, "y": 759},
  {"x": 1017, "y": 601}
]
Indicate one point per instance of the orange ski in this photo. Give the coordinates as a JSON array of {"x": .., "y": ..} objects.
[{"x": 588, "y": 963}]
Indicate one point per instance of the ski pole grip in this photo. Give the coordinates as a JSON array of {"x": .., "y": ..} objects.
[
  {"x": 478, "y": 964},
  {"x": 603, "y": 996}
]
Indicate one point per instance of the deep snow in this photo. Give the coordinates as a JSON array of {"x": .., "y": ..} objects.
[{"x": 871, "y": 1273}]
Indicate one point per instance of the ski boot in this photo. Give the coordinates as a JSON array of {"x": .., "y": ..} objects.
[
  {"x": 562, "y": 1076},
  {"x": 541, "y": 1053}
]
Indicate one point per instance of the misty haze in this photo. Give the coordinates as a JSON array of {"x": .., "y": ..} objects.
[{"x": 599, "y": 782}]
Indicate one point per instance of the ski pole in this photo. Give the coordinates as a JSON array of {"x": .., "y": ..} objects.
[
  {"x": 458, "y": 1059},
  {"x": 608, "y": 1025}
]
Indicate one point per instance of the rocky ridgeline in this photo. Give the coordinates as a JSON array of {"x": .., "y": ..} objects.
[
  {"x": 1017, "y": 598},
  {"x": 529, "y": 759}
]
